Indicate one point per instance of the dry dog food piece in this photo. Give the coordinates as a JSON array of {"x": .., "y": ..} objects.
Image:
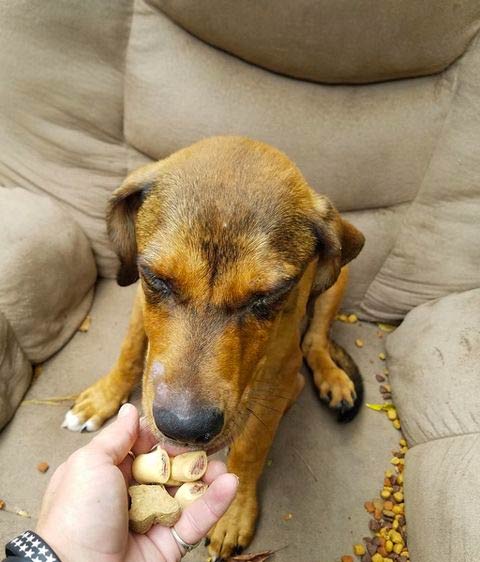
[
  {"x": 152, "y": 468},
  {"x": 346, "y": 558},
  {"x": 359, "y": 550},
  {"x": 189, "y": 492},
  {"x": 359, "y": 343},
  {"x": 151, "y": 505},
  {"x": 43, "y": 467},
  {"x": 189, "y": 467},
  {"x": 2, "y": 504}
]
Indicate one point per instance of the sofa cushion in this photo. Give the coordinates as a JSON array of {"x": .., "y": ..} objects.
[
  {"x": 61, "y": 105},
  {"x": 434, "y": 359},
  {"x": 333, "y": 41},
  {"x": 437, "y": 250},
  {"x": 441, "y": 498},
  {"x": 47, "y": 272},
  {"x": 15, "y": 372},
  {"x": 363, "y": 147}
]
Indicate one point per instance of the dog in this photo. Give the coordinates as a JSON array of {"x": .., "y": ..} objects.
[{"x": 234, "y": 250}]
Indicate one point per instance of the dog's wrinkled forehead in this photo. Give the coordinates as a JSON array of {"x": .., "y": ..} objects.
[{"x": 220, "y": 220}]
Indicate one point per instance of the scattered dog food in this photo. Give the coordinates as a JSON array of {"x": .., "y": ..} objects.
[
  {"x": 85, "y": 325},
  {"x": 346, "y": 558},
  {"x": 359, "y": 343},
  {"x": 388, "y": 525},
  {"x": 43, "y": 467},
  {"x": 287, "y": 516},
  {"x": 382, "y": 356},
  {"x": 151, "y": 503},
  {"x": 2, "y": 505}
]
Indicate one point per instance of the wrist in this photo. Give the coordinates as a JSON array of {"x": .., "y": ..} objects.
[{"x": 30, "y": 546}]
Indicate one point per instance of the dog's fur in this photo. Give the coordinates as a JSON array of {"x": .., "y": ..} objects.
[{"x": 234, "y": 250}]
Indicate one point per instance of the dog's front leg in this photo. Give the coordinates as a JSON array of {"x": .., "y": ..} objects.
[
  {"x": 101, "y": 400},
  {"x": 246, "y": 459}
]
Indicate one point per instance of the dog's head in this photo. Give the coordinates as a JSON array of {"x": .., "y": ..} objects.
[{"x": 220, "y": 234}]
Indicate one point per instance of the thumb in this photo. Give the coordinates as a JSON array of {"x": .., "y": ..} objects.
[{"x": 116, "y": 440}]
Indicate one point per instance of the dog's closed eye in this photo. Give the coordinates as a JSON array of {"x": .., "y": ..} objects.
[{"x": 158, "y": 286}]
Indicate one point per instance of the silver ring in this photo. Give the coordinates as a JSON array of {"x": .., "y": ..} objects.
[{"x": 185, "y": 545}]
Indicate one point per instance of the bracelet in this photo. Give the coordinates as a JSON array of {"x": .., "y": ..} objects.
[{"x": 30, "y": 547}]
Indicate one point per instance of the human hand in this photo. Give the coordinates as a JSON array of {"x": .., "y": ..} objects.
[{"x": 84, "y": 514}]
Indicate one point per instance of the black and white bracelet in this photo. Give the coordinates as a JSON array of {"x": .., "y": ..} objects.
[{"x": 30, "y": 547}]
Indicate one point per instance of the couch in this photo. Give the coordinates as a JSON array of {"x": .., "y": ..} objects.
[{"x": 378, "y": 103}]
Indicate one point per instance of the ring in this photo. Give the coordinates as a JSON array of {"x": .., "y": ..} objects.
[{"x": 185, "y": 545}]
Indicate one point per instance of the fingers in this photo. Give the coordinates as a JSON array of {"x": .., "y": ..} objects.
[
  {"x": 116, "y": 440},
  {"x": 214, "y": 470},
  {"x": 146, "y": 440},
  {"x": 198, "y": 518}
]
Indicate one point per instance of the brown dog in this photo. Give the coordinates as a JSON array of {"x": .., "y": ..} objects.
[{"x": 231, "y": 246}]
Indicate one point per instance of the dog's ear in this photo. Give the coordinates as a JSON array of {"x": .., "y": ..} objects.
[
  {"x": 338, "y": 242},
  {"x": 121, "y": 214}
]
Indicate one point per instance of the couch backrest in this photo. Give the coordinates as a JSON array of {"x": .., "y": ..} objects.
[
  {"x": 338, "y": 41},
  {"x": 89, "y": 90}
]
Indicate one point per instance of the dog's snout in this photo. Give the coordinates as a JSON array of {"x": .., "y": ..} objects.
[{"x": 197, "y": 426}]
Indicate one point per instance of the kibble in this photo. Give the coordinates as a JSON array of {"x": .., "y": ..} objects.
[
  {"x": 346, "y": 558},
  {"x": 2, "y": 505},
  {"x": 392, "y": 414},
  {"x": 359, "y": 343},
  {"x": 359, "y": 550},
  {"x": 382, "y": 356},
  {"x": 369, "y": 507},
  {"x": 43, "y": 467}
]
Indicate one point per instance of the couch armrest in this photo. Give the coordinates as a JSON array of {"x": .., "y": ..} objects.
[
  {"x": 434, "y": 362},
  {"x": 47, "y": 272}
]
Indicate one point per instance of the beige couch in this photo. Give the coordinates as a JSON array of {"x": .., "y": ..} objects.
[{"x": 379, "y": 105}]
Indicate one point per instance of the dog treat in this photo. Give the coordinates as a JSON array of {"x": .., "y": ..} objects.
[
  {"x": 172, "y": 482},
  {"x": 152, "y": 468},
  {"x": 189, "y": 492},
  {"x": 189, "y": 467},
  {"x": 150, "y": 505},
  {"x": 43, "y": 467}
]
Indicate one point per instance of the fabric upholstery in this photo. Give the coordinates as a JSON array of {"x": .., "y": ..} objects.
[
  {"x": 437, "y": 251},
  {"x": 441, "y": 497},
  {"x": 15, "y": 372},
  {"x": 61, "y": 105},
  {"x": 47, "y": 272},
  {"x": 341, "y": 138},
  {"x": 433, "y": 359},
  {"x": 334, "y": 41}
]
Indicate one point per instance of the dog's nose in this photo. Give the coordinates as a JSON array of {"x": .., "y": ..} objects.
[{"x": 198, "y": 426}]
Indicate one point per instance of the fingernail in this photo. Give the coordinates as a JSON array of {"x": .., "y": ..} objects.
[{"x": 124, "y": 410}]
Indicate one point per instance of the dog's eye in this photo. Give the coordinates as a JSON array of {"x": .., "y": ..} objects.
[
  {"x": 156, "y": 284},
  {"x": 264, "y": 308}
]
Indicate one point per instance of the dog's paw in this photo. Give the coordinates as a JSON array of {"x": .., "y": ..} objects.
[
  {"x": 336, "y": 388},
  {"x": 235, "y": 530},
  {"x": 93, "y": 408}
]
